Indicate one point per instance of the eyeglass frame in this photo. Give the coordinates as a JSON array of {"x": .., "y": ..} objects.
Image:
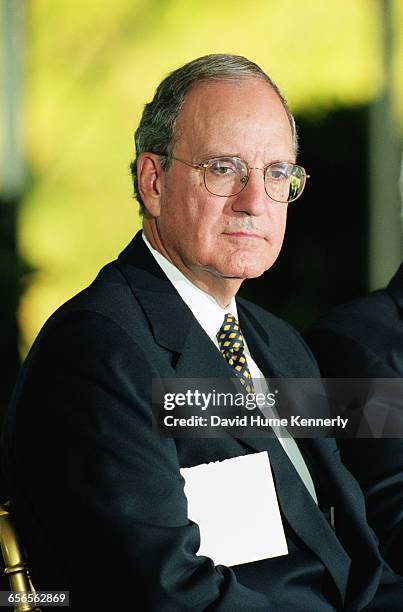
[{"x": 204, "y": 166}]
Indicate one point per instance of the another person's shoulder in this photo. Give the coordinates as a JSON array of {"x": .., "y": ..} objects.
[
  {"x": 358, "y": 314},
  {"x": 368, "y": 320},
  {"x": 359, "y": 338}
]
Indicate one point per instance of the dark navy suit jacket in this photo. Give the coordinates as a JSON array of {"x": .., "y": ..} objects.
[
  {"x": 364, "y": 339},
  {"x": 98, "y": 497}
]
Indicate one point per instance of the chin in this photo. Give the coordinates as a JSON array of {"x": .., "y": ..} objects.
[
  {"x": 243, "y": 270},
  {"x": 250, "y": 265},
  {"x": 241, "y": 263}
]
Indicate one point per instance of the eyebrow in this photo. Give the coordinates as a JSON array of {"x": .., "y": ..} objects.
[{"x": 211, "y": 155}]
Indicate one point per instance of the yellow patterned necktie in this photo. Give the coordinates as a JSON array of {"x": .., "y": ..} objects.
[{"x": 231, "y": 343}]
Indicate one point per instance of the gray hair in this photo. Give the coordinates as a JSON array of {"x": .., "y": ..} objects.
[{"x": 156, "y": 130}]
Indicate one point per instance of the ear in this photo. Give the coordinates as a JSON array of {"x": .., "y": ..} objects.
[{"x": 149, "y": 176}]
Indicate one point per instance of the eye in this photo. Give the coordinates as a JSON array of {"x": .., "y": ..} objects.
[
  {"x": 278, "y": 172},
  {"x": 223, "y": 166}
]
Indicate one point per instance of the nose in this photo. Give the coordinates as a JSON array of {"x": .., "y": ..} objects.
[{"x": 253, "y": 199}]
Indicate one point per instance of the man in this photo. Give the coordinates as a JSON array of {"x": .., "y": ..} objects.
[
  {"x": 97, "y": 494},
  {"x": 364, "y": 339}
]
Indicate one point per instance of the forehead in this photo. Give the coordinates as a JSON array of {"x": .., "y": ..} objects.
[{"x": 244, "y": 117}]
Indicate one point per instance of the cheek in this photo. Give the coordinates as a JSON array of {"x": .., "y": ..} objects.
[
  {"x": 279, "y": 224},
  {"x": 276, "y": 226},
  {"x": 203, "y": 220},
  {"x": 188, "y": 223}
]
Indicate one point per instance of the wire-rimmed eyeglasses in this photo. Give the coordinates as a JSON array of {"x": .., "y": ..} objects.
[{"x": 227, "y": 176}]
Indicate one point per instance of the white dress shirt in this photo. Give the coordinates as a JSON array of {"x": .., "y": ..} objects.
[{"x": 210, "y": 315}]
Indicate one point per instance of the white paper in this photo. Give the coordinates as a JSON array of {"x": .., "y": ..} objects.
[{"x": 234, "y": 502}]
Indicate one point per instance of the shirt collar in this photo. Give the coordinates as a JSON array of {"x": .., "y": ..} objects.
[{"x": 208, "y": 313}]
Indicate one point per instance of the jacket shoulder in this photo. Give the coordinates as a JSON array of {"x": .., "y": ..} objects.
[{"x": 108, "y": 297}]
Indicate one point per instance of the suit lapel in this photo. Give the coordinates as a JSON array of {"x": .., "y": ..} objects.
[
  {"x": 199, "y": 357},
  {"x": 351, "y": 528},
  {"x": 258, "y": 340},
  {"x": 302, "y": 513}
]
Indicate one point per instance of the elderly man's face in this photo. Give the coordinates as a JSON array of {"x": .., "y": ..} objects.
[{"x": 238, "y": 236}]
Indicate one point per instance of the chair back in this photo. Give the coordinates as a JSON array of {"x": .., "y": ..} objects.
[{"x": 15, "y": 566}]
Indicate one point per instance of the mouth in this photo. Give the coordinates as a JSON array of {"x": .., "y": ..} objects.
[{"x": 243, "y": 235}]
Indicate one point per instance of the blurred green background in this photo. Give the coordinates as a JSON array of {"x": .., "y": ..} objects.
[{"x": 75, "y": 77}]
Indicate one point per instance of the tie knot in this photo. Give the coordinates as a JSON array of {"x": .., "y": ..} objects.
[
  {"x": 230, "y": 341},
  {"x": 230, "y": 337}
]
